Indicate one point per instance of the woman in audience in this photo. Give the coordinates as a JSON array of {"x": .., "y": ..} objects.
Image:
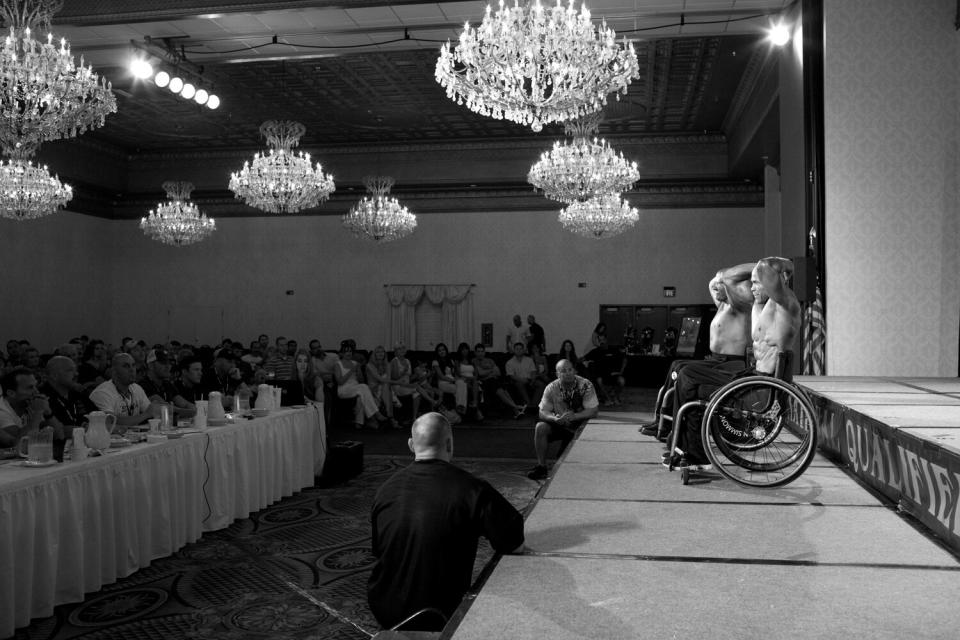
[
  {"x": 348, "y": 386},
  {"x": 378, "y": 379},
  {"x": 599, "y": 332},
  {"x": 445, "y": 377},
  {"x": 91, "y": 371},
  {"x": 401, "y": 374},
  {"x": 422, "y": 379},
  {"x": 465, "y": 371},
  {"x": 309, "y": 380},
  {"x": 540, "y": 360},
  {"x": 569, "y": 352}
]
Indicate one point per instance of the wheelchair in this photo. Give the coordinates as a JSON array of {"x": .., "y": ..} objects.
[{"x": 757, "y": 430}]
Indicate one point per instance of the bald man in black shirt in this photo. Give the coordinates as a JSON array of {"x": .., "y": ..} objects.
[{"x": 427, "y": 520}]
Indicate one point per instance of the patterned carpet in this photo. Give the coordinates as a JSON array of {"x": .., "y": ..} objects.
[{"x": 268, "y": 576}]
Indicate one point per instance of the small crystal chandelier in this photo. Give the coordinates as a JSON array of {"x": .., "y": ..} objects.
[
  {"x": 599, "y": 217},
  {"x": 379, "y": 217},
  {"x": 177, "y": 221},
  {"x": 581, "y": 168},
  {"x": 43, "y": 94},
  {"x": 534, "y": 65},
  {"x": 29, "y": 191},
  {"x": 282, "y": 181}
]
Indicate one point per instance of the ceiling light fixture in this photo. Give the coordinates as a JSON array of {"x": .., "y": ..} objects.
[
  {"x": 177, "y": 221},
  {"x": 779, "y": 34},
  {"x": 281, "y": 181},
  {"x": 44, "y": 95},
  {"x": 582, "y": 168},
  {"x": 141, "y": 68},
  {"x": 535, "y": 65},
  {"x": 378, "y": 217},
  {"x": 599, "y": 217},
  {"x": 28, "y": 191}
]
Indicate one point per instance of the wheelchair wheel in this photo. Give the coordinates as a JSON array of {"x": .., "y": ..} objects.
[{"x": 760, "y": 431}]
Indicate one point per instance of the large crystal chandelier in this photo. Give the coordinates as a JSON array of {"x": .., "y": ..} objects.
[
  {"x": 581, "y": 168},
  {"x": 379, "y": 217},
  {"x": 599, "y": 217},
  {"x": 177, "y": 221},
  {"x": 43, "y": 94},
  {"x": 282, "y": 181},
  {"x": 535, "y": 65},
  {"x": 29, "y": 191}
]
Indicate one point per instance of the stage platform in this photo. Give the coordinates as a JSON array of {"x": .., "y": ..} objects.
[{"x": 617, "y": 547}]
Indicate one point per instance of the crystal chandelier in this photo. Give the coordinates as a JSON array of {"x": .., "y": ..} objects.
[
  {"x": 29, "y": 191},
  {"x": 535, "y": 65},
  {"x": 282, "y": 181},
  {"x": 379, "y": 217},
  {"x": 599, "y": 217},
  {"x": 581, "y": 168},
  {"x": 43, "y": 94},
  {"x": 177, "y": 221}
]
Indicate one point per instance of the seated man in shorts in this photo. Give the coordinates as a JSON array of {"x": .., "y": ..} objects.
[{"x": 567, "y": 403}]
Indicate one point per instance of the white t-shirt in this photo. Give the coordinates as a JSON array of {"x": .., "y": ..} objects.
[
  {"x": 9, "y": 417},
  {"x": 109, "y": 400},
  {"x": 517, "y": 334},
  {"x": 525, "y": 369}
]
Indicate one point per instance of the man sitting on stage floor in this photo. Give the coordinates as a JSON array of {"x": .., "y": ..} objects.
[
  {"x": 426, "y": 522},
  {"x": 775, "y": 319},
  {"x": 729, "y": 330},
  {"x": 567, "y": 403}
]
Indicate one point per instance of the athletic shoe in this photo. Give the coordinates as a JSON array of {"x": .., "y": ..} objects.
[{"x": 649, "y": 429}]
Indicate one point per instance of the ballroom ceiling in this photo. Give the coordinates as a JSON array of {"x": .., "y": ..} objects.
[{"x": 361, "y": 72}]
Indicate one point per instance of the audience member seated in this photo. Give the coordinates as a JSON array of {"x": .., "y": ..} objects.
[
  {"x": 380, "y": 383},
  {"x": 426, "y": 523},
  {"x": 122, "y": 396},
  {"x": 30, "y": 358},
  {"x": 775, "y": 323},
  {"x": 522, "y": 374},
  {"x": 466, "y": 372},
  {"x": 190, "y": 385},
  {"x": 348, "y": 386},
  {"x": 23, "y": 410},
  {"x": 607, "y": 365},
  {"x": 569, "y": 352},
  {"x": 323, "y": 363},
  {"x": 401, "y": 380},
  {"x": 423, "y": 381},
  {"x": 304, "y": 373},
  {"x": 69, "y": 405},
  {"x": 158, "y": 385},
  {"x": 445, "y": 378},
  {"x": 599, "y": 333},
  {"x": 226, "y": 377},
  {"x": 539, "y": 358},
  {"x": 13, "y": 353},
  {"x": 254, "y": 356},
  {"x": 488, "y": 373},
  {"x": 279, "y": 362},
  {"x": 567, "y": 403}
]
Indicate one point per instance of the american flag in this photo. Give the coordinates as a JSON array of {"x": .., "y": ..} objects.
[{"x": 815, "y": 338}]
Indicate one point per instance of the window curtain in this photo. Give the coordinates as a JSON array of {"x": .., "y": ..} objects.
[{"x": 456, "y": 308}]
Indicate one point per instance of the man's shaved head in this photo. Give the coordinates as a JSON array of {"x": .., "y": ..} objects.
[{"x": 431, "y": 437}]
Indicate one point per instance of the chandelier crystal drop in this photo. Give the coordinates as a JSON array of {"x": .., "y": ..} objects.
[
  {"x": 28, "y": 191},
  {"x": 581, "y": 168},
  {"x": 535, "y": 65},
  {"x": 378, "y": 217},
  {"x": 177, "y": 221},
  {"x": 282, "y": 181},
  {"x": 599, "y": 217},
  {"x": 43, "y": 94}
]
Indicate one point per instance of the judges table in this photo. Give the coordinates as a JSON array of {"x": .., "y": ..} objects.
[{"x": 68, "y": 529}]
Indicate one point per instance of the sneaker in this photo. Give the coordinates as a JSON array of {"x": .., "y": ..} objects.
[
  {"x": 539, "y": 473},
  {"x": 649, "y": 429},
  {"x": 669, "y": 460}
]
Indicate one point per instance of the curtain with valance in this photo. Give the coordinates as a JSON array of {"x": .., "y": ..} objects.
[{"x": 456, "y": 308}]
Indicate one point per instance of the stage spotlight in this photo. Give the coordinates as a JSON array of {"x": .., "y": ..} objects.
[
  {"x": 140, "y": 68},
  {"x": 213, "y": 102},
  {"x": 201, "y": 97},
  {"x": 162, "y": 79},
  {"x": 176, "y": 84},
  {"x": 188, "y": 91},
  {"x": 779, "y": 34}
]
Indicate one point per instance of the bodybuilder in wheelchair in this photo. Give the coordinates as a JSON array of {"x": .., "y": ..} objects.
[{"x": 750, "y": 424}]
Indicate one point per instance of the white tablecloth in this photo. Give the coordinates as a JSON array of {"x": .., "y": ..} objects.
[{"x": 69, "y": 529}]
